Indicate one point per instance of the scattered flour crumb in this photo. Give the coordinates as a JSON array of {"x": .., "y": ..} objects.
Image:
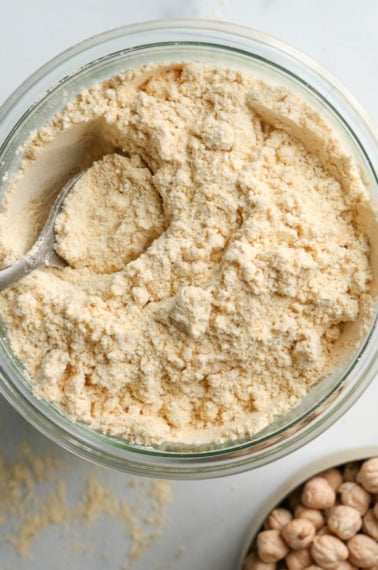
[
  {"x": 33, "y": 495},
  {"x": 180, "y": 552}
]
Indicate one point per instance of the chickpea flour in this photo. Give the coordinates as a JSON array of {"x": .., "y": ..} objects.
[{"x": 219, "y": 259}]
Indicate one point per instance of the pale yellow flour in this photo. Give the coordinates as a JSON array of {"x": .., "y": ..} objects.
[{"x": 219, "y": 259}]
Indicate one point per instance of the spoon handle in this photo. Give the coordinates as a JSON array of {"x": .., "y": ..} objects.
[{"x": 16, "y": 271}]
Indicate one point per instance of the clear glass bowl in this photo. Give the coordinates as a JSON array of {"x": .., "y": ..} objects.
[{"x": 102, "y": 56}]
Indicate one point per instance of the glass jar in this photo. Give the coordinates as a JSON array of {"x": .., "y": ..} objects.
[{"x": 102, "y": 56}]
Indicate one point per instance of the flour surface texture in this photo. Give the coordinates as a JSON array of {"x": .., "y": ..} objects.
[{"x": 219, "y": 265}]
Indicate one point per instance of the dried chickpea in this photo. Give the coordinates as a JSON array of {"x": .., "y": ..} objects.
[
  {"x": 270, "y": 546},
  {"x": 370, "y": 524},
  {"x": 353, "y": 495},
  {"x": 333, "y": 477},
  {"x": 277, "y": 519},
  {"x": 328, "y": 551},
  {"x": 252, "y": 562},
  {"x": 318, "y": 494},
  {"x": 298, "y": 559},
  {"x": 313, "y": 567},
  {"x": 298, "y": 533},
  {"x": 363, "y": 551},
  {"x": 368, "y": 475},
  {"x": 313, "y": 515},
  {"x": 344, "y": 521}
]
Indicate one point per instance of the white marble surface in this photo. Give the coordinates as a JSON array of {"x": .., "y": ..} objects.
[{"x": 207, "y": 519}]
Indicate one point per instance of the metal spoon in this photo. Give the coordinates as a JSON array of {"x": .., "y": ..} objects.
[
  {"x": 49, "y": 179},
  {"x": 43, "y": 251}
]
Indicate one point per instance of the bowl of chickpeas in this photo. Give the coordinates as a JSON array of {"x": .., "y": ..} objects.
[{"x": 326, "y": 517}]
